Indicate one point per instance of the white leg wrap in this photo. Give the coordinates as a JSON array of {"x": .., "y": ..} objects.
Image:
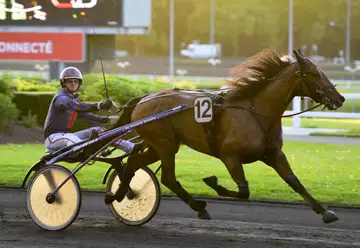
[{"x": 125, "y": 145}]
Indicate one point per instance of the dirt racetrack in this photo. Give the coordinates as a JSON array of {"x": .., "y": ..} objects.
[{"x": 233, "y": 224}]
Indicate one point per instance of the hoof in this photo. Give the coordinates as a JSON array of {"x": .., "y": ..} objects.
[
  {"x": 130, "y": 195},
  {"x": 329, "y": 216},
  {"x": 244, "y": 195},
  {"x": 197, "y": 205},
  {"x": 211, "y": 181},
  {"x": 109, "y": 198},
  {"x": 204, "y": 215}
]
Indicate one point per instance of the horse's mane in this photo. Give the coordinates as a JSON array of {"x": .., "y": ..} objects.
[{"x": 251, "y": 76}]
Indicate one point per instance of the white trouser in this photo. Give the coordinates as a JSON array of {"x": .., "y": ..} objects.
[{"x": 59, "y": 140}]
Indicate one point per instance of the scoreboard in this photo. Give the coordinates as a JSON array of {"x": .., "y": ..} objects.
[{"x": 61, "y": 13}]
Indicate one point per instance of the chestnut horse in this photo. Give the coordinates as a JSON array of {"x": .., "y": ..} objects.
[{"x": 248, "y": 126}]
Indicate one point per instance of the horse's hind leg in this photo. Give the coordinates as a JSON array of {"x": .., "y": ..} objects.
[
  {"x": 279, "y": 162},
  {"x": 133, "y": 164},
  {"x": 236, "y": 171},
  {"x": 168, "y": 178}
]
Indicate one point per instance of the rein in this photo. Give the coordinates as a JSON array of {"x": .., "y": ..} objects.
[
  {"x": 303, "y": 111},
  {"x": 255, "y": 112},
  {"x": 228, "y": 106}
]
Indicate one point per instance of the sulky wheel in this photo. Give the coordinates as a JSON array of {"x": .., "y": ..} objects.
[
  {"x": 57, "y": 212},
  {"x": 139, "y": 206}
]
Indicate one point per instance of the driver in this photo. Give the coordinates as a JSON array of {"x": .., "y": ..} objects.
[{"x": 65, "y": 107}]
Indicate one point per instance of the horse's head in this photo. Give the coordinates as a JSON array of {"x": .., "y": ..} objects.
[{"x": 316, "y": 85}]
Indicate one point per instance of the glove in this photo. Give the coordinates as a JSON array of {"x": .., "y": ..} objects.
[{"x": 105, "y": 104}]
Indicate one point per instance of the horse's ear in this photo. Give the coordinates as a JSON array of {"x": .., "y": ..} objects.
[
  {"x": 300, "y": 59},
  {"x": 298, "y": 52}
]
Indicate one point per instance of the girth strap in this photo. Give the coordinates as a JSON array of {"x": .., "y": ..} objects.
[{"x": 210, "y": 129}]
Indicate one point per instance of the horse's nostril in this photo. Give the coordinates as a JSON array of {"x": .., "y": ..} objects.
[{"x": 341, "y": 100}]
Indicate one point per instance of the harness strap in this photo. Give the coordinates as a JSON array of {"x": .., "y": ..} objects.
[{"x": 211, "y": 128}]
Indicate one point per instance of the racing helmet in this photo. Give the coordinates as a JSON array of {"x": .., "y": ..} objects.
[{"x": 70, "y": 72}]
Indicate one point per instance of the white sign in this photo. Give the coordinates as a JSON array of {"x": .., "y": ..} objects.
[
  {"x": 203, "y": 109},
  {"x": 136, "y": 13}
]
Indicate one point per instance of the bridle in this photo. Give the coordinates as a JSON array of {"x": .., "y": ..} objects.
[{"x": 321, "y": 92}]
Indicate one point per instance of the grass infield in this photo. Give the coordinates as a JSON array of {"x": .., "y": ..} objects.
[
  {"x": 329, "y": 172},
  {"x": 351, "y": 125}
]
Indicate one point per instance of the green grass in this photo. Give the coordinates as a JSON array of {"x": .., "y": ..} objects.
[
  {"x": 355, "y": 91},
  {"x": 329, "y": 172},
  {"x": 351, "y": 133},
  {"x": 352, "y": 125}
]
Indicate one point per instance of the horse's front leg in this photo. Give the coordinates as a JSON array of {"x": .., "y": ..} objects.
[
  {"x": 236, "y": 171},
  {"x": 277, "y": 160}
]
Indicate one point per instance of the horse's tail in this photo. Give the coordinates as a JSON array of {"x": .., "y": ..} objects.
[{"x": 125, "y": 118}]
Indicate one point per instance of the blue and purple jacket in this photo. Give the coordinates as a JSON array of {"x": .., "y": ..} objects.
[{"x": 63, "y": 111}]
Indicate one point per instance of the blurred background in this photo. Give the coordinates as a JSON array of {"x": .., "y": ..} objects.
[
  {"x": 188, "y": 42},
  {"x": 148, "y": 33}
]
